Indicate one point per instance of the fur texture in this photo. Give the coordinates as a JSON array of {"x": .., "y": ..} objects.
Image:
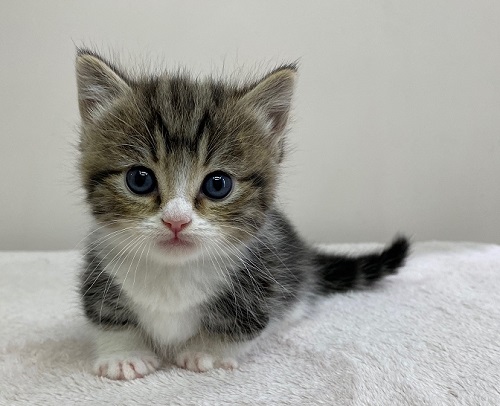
[{"x": 175, "y": 273}]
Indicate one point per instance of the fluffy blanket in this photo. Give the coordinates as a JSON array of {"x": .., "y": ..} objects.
[{"x": 428, "y": 336}]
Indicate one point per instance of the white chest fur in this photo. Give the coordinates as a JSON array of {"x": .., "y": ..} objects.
[{"x": 166, "y": 298}]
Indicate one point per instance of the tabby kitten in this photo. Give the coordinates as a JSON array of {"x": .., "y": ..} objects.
[{"x": 189, "y": 259}]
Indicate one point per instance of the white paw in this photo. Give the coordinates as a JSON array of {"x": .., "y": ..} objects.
[
  {"x": 127, "y": 366},
  {"x": 202, "y": 362}
]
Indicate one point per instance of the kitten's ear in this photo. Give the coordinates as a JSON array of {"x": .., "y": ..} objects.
[
  {"x": 272, "y": 97},
  {"x": 98, "y": 84}
]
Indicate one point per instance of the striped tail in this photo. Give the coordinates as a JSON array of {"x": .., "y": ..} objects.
[{"x": 343, "y": 272}]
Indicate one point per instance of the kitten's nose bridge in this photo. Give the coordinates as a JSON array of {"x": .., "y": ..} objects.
[{"x": 177, "y": 214}]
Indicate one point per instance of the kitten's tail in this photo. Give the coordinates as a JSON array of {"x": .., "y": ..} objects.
[{"x": 342, "y": 272}]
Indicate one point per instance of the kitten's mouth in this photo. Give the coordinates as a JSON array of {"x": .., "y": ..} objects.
[{"x": 175, "y": 242}]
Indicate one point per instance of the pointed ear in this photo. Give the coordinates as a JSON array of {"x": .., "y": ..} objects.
[
  {"x": 272, "y": 97},
  {"x": 99, "y": 84}
]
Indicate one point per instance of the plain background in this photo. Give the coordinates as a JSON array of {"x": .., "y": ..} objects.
[{"x": 397, "y": 110}]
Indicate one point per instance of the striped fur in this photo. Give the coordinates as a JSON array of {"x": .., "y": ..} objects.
[{"x": 247, "y": 269}]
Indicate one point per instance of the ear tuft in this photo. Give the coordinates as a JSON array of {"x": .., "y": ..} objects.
[
  {"x": 99, "y": 83},
  {"x": 272, "y": 96}
]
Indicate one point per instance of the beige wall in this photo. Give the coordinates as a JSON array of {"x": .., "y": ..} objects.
[{"x": 397, "y": 118}]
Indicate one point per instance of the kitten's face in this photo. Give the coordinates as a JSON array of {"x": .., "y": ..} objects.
[{"x": 177, "y": 167}]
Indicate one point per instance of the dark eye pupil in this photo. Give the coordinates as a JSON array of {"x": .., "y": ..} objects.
[
  {"x": 218, "y": 183},
  {"x": 140, "y": 178}
]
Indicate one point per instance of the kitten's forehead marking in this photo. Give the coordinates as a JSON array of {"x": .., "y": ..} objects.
[
  {"x": 183, "y": 106},
  {"x": 185, "y": 112}
]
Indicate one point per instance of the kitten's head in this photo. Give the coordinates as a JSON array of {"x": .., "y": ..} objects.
[{"x": 178, "y": 166}]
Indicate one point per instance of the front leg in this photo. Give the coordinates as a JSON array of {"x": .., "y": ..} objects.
[
  {"x": 123, "y": 354},
  {"x": 229, "y": 328},
  {"x": 203, "y": 353}
]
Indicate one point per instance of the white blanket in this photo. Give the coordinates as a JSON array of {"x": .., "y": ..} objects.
[{"x": 428, "y": 336}]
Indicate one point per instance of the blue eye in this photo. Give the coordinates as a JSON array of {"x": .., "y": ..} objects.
[
  {"x": 141, "y": 180},
  {"x": 217, "y": 185}
]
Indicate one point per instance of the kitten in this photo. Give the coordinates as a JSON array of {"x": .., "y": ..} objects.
[{"x": 190, "y": 260}]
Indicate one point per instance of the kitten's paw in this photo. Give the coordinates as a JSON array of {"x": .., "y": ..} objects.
[
  {"x": 127, "y": 366},
  {"x": 202, "y": 362}
]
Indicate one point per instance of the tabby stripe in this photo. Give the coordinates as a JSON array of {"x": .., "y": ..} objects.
[
  {"x": 160, "y": 124},
  {"x": 204, "y": 122},
  {"x": 217, "y": 93},
  {"x": 256, "y": 178},
  {"x": 99, "y": 177}
]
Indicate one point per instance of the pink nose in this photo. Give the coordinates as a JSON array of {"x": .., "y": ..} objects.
[{"x": 176, "y": 225}]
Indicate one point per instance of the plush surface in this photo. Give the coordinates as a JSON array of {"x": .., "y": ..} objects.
[{"x": 428, "y": 336}]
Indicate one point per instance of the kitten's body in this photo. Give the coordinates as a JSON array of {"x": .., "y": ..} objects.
[{"x": 174, "y": 273}]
